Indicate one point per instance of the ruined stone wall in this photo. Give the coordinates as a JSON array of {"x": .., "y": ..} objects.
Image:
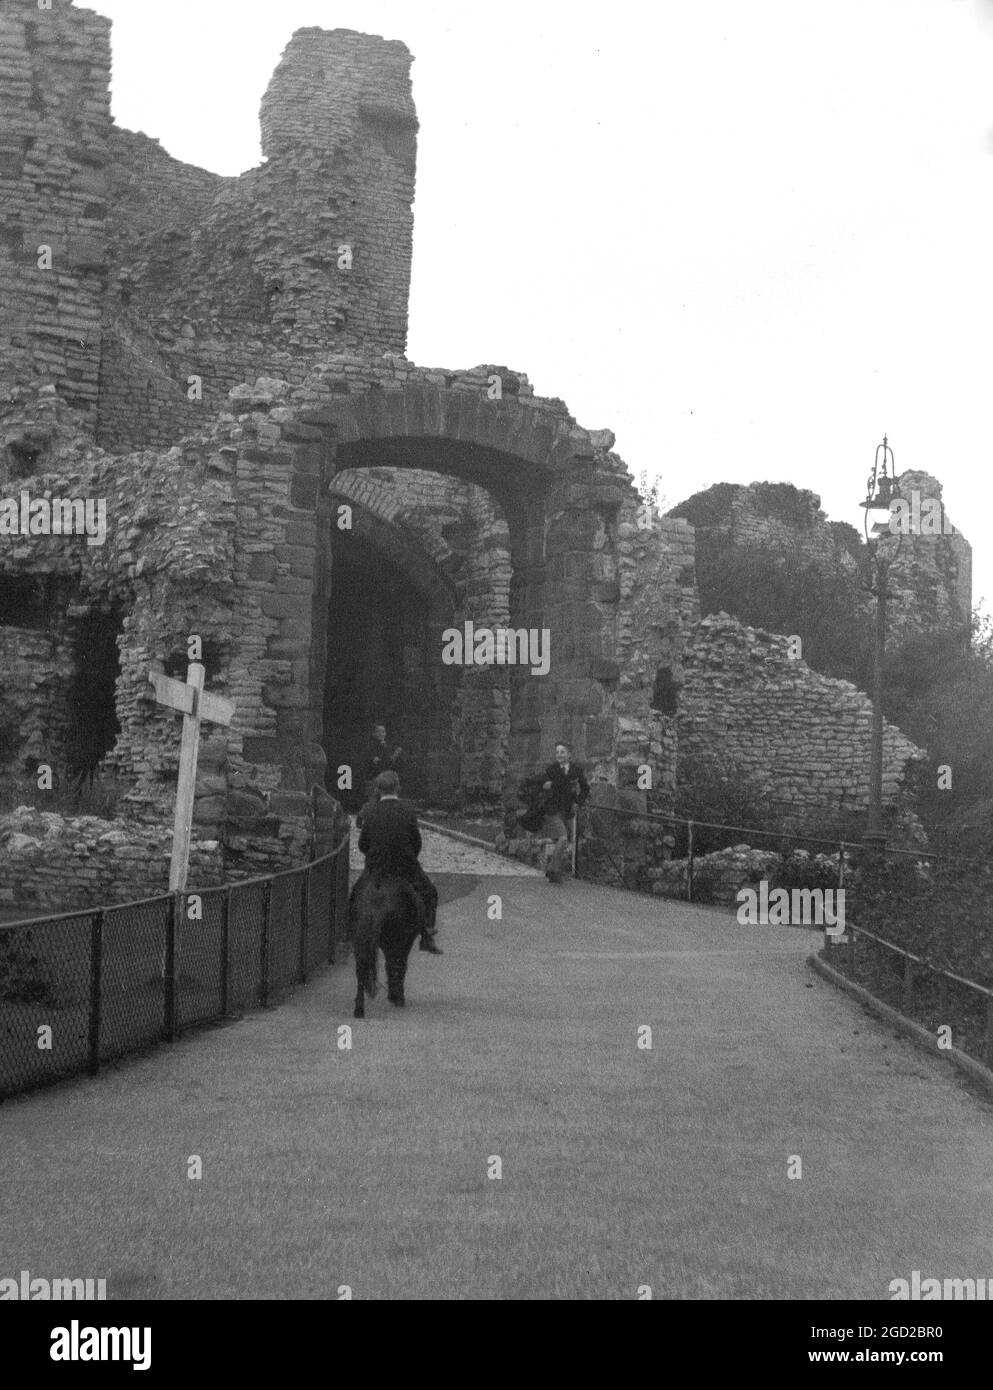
[
  {"x": 931, "y": 577},
  {"x": 37, "y": 670},
  {"x": 54, "y": 132},
  {"x": 802, "y": 739},
  {"x": 85, "y": 861},
  {"x": 656, "y": 580},
  {"x": 216, "y": 278},
  {"x": 162, "y": 271}
]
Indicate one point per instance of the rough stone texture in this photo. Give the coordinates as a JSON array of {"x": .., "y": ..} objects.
[
  {"x": 482, "y": 504},
  {"x": 931, "y": 577},
  {"x": 799, "y": 736},
  {"x": 54, "y": 132},
  {"x": 83, "y": 861}
]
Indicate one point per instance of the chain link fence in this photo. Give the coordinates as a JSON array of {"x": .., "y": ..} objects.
[{"x": 85, "y": 987}]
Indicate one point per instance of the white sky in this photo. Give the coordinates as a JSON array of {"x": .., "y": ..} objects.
[{"x": 749, "y": 236}]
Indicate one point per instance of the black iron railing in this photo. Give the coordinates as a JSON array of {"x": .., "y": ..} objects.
[
  {"x": 81, "y": 988},
  {"x": 928, "y": 912},
  {"x": 920, "y": 988}
]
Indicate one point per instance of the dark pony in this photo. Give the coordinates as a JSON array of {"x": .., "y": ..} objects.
[{"x": 388, "y": 917}]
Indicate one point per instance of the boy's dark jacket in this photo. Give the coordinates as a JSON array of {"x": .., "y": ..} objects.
[{"x": 567, "y": 791}]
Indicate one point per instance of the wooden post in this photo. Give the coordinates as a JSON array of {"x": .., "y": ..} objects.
[
  {"x": 988, "y": 1045},
  {"x": 96, "y": 975},
  {"x": 908, "y": 984},
  {"x": 195, "y": 705}
]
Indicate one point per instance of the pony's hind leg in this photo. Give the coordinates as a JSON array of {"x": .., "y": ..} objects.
[
  {"x": 394, "y": 980},
  {"x": 360, "y": 1002}
]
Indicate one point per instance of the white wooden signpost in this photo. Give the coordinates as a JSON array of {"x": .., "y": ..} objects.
[{"x": 195, "y": 704}]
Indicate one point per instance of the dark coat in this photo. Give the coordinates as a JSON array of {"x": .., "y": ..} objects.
[
  {"x": 381, "y": 759},
  {"x": 391, "y": 839},
  {"x": 569, "y": 789}
]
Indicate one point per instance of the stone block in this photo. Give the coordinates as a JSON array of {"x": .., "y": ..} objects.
[
  {"x": 262, "y": 750},
  {"x": 286, "y": 606}
]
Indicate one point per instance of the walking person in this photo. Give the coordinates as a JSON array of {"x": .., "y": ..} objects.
[
  {"x": 391, "y": 842},
  {"x": 567, "y": 788}
]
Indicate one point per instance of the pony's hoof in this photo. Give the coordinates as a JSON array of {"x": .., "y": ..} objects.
[
  {"x": 397, "y": 1003},
  {"x": 359, "y": 1013}
]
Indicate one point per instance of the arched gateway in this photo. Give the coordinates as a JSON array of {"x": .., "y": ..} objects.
[{"x": 566, "y": 499}]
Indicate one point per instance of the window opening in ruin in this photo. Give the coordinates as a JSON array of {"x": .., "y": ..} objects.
[
  {"x": 213, "y": 659},
  {"x": 22, "y": 458},
  {"x": 93, "y": 725},
  {"x": 28, "y": 600},
  {"x": 664, "y": 692}
]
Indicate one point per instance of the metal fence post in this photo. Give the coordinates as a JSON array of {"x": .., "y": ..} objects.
[
  {"x": 172, "y": 934},
  {"x": 266, "y": 933},
  {"x": 339, "y": 899},
  {"x": 304, "y": 920},
  {"x": 689, "y": 862},
  {"x": 332, "y": 875},
  {"x": 225, "y": 952},
  {"x": 96, "y": 976}
]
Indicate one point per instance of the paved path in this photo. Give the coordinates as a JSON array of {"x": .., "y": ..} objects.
[
  {"x": 620, "y": 1167},
  {"x": 441, "y": 854}
]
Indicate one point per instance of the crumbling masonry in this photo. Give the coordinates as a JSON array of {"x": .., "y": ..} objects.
[{"x": 222, "y": 361}]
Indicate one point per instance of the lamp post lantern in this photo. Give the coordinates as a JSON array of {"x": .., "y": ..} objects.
[{"x": 883, "y": 539}]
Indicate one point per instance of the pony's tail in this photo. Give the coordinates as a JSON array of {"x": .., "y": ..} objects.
[{"x": 367, "y": 954}]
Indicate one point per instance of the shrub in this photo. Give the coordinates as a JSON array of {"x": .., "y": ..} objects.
[{"x": 24, "y": 977}]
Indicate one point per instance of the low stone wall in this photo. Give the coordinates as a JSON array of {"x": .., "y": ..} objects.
[
  {"x": 61, "y": 863},
  {"x": 717, "y": 877}
]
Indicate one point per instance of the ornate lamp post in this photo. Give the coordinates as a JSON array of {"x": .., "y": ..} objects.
[{"x": 883, "y": 538}]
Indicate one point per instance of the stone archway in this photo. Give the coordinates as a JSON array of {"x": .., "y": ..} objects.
[{"x": 566, "y": 499}]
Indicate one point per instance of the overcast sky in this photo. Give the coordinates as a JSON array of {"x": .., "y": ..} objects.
[{"x": 749, "y": 236}]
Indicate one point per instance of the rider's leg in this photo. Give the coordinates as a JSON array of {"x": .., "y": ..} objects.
[
  {"x": 353, "y": 894},
  {"x": 428, "y": 894}
]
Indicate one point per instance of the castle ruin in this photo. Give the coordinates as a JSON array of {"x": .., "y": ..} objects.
[{"x": 221, "y": 361}]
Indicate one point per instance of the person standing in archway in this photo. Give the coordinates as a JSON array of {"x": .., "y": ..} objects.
[
  {"x": 381, "y": 759},
  {"x": 567, "y": 788}
]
